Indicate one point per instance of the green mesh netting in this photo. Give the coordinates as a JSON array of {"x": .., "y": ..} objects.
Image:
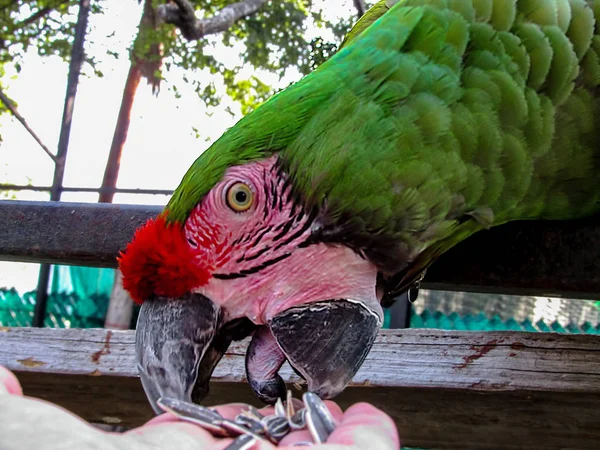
[
  {"x": 480, "y": 322},
  {"x": 498, "y": 312},
  {"x": 63, "y": 310},
  {"x": 78, "y": 298},
  {"x": 82, "y": 281}
]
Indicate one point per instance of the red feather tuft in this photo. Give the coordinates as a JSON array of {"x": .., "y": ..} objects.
[{"x": 160, "y": 261}]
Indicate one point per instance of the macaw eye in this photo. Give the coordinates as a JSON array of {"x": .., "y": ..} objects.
[{"x": 240, "y": 197}]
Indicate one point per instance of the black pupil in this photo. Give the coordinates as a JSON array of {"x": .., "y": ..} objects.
[{"x": 241, "y": 197}]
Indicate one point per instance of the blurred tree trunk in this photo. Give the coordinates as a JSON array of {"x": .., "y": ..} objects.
[{"x": 143, "y": 63}]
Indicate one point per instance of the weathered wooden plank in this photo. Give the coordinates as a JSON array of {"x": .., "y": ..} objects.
[
  {"x": 445, "y": 389},
  {"x": 559, "y": 258}
]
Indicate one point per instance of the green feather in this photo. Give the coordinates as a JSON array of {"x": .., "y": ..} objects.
[
  {"x": 539, "y": 50},
  {"x": 581, "y": 28},
  {"x": 434, "y": 120},
  {"x": 504, "y": 13}
]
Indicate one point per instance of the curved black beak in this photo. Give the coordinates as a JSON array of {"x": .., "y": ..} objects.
[
  {"x": 179, "y": 343},
  {"x": 324, "y": 342}
]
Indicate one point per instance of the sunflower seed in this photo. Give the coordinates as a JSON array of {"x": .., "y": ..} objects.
[
  {"x": 279, "y": 408},
  {"x": 250, "y": 422},
  {"x": 289, "y": 406},
  {"x": 207, "y": 418},
  {"x": 252, "y": 411},
  {"x": 237, "y": 429},
  {"x": 276, "y": 427},
  {"x": 318, "y": 418},
  {"x": 298, "y": 420}
]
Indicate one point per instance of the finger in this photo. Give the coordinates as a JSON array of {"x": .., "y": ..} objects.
[
  {"x": 295, "y": 437},
  {"x": 335, "y": 410},
  {"x": 365, "y": 426},
  {"x": 304, "y": 435},
  {"x": 9, "y": 383}
]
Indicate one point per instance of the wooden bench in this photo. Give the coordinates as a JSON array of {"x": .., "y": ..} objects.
[{"x": 445, "y": 389}]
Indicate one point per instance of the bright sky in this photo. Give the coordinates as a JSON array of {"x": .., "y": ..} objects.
[{"x": 161, "y": 144}]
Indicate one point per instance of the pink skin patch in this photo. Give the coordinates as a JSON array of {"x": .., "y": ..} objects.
[{"x": 258, "y": 265}]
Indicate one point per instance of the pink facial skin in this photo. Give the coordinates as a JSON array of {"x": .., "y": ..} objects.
[{"x": 263, "y": 244}]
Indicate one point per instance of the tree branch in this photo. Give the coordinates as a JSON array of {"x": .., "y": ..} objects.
[
  {"x": 12, "y": 108},
  {"x": 361, "y": 8},
  {"x": 181, "y": 14}
]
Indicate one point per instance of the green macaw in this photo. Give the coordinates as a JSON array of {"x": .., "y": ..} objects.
[{"x": 434, "y": 120}]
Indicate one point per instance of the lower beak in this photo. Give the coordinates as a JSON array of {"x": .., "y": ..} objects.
[
  {"x": 179, "y": 343},
  {"x": 324, "y": 342}
]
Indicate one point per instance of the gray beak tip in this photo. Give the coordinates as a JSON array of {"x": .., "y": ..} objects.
[{"x": 149, "y": 388}]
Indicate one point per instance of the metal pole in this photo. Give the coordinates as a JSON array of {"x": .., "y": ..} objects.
[
  {"x": 18, "y": 187},
  {"x": 77, "y": 59},
  {"x": 400, "y": 312}
]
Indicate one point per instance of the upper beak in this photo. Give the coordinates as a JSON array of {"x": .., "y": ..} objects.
[
  {"x": 179, "y": 343},
  {"x": 324, "y": 342}
]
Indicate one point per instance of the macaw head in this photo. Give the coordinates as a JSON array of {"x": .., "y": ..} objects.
[{"x": 248, "y": 258}]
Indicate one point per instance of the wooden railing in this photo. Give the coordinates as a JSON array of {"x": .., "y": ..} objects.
[{"x": 445, "y": 389}]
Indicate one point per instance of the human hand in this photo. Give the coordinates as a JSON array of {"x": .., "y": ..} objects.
[{"x": 33, "y": 423}]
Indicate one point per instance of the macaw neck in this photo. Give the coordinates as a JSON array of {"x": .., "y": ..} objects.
[{"x": 314, "y": 273}]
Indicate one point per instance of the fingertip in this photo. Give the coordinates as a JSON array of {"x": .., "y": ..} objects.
[
  {"x": 10, "y": 382},
  {"x": 373, "y": 415},
  {"x": 363, "y": 408},
  {"x": 364, "y": 421},
  {"x": 335, "y": 410}
]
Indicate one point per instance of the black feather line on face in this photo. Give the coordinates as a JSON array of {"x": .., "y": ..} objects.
[
  {"x": 246, "y": 237},
  {"x": 266, "y": 207},
  {"x": 294, "y": 235},
  {"x": 252, "y": 270},
  {"x": 273, "y": 195},
  {"x": 287, "y": 184},
  {"x": 257, "y": 254},
  {"x": 260, "y": 236},
  {"x": 284, "y": 230}
]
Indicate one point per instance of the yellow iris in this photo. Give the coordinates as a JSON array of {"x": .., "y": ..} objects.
[{"x": 240, "y": 197}]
